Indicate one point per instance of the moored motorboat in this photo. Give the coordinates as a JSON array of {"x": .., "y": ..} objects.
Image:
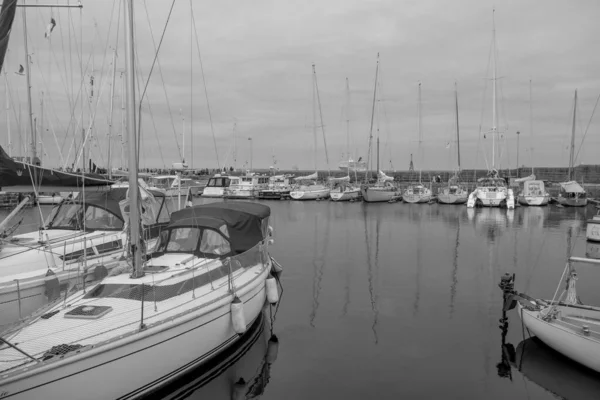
[
  {"x": 216, "y": 186},
  {"x": 279, "y": 188},
  {"x": 246, "y": 187},
  {"x": 592, "y": 230}
]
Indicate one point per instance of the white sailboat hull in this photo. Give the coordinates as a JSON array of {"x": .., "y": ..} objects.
[
  {"x": 347, "y": 195},
  {"x": 592, "y": 232},
  {"x": 416, "y": 198},
  {"x": 374, "y": 195},
  {"x": 240, "y": 193},
  {"x": 534, "y": 200},
  {"x": 568, "y": 338},
  {"x": 450, "y": 198},
  {"x": 310, "y": 194},
  {"x": 155, "y": 356}
]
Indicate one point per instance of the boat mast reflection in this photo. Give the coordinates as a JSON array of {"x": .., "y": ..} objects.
[
  {"x": 372, "y": 295},
  {"x": 318, "y": 267},
  {"x": 454, "y": 271}
]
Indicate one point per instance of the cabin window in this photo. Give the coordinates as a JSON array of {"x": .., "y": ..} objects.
[
  {"x": 213, "y": 243},
  {"x": 224, "y": 230},
  {"x": 164, "y": 214},
  {"x": 264, "y": 227},
  {"x": 184, "y": 240},
  {"x": 68, "y": 216},
  {"x": 98, "y": 218}
]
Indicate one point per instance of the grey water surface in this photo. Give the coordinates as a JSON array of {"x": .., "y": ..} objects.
[{"x": 399, "y": 301}]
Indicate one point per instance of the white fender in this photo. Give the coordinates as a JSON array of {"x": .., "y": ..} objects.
[
  {"x": 272, "y": 292},
  {"x": 237, "y": 316}
]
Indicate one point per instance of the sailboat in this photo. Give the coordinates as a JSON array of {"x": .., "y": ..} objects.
[
  {"x": 563, "y": 323},
  {"x": 534, "y": 191},
  {"x": 492, "y": 190},
  {"x": 307, "y": 187},
  {"x": 454, "y": 193},
  {"x": 417, "y": 193},
  {"x": 205, "y": 282},
  {"x": 572, "y": 193},
  {"x": 384, "y": 189},
  {"x": 344, "y": 191}
]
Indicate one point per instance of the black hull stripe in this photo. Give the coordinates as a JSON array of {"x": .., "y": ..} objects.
[{"x": 127, "y": 355}]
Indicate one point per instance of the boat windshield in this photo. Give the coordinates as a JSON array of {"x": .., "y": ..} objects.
[
  {"x": 491, "y": 182},
  {"x": 209, "y": 243},
  {"x": 72, "y": 216}
]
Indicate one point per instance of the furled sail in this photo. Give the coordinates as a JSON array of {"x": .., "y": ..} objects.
[
  {"x": 525, "y": 179},
  {"x": 16, "y": 176},
  {"x": 7, "y": 16},
  {"x": 381, "y": 177},
  {"x": 342, "y": 179},
  {"x": 313, "y": 176}
]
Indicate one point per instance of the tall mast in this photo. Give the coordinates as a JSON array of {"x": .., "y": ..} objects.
[
  {"x": 28, "y": 76},
  {"x": 110, "y": 119},
  {"x": 457, "y": 130},
  {"x": 419, "y": 130},
  {"x": 348, "y": 124},
  {"x": 372, "y": 117},
  {"x": 134, "y": 217},
  {"x": 571, "y": 160},
  {"x": 40, "y": 132},
  {"x": 122, "y": 119},
  {"x": 314, "y": 110},
  {"x": 494, "y": 117},
  {"x": 182, "y": 133},
  {"x": 7, "y": 113},
  {"x": 530, "y": 127}
]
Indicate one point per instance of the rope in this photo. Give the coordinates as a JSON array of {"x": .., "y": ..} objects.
[
  {"x": 204, "y": 83},
  {"x": 586, "y": 128}
]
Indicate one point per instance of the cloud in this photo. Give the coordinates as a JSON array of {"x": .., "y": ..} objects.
[{"x": 257, "y": 59}]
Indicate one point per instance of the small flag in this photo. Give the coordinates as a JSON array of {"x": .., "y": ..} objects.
[
  {"x": 21, "y": 69},
  {"x": 448, "y": 145},
  {"x": 50, "y": 28},
  {"x": 249, "y": 138}
]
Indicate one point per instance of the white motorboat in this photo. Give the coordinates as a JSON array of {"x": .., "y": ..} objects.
[
  {"x": 78, "y": 235},
  {"x": 279, "y": 188},
  {"x": 246, "y": 187},
  {"x": 216, "y": 185}
]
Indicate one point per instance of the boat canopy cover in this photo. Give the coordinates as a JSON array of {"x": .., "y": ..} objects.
[
  {"x": 534, "y": 188},
  {"x": 17, "y": 173},
  {"x": 342, "y": 179},
  {"x": 108, "y": 200},
  {"x": 526, "y": 179},
  {"x": 383, "y": 177},
  {"x": 572, "y": 187},
  {"x": 308, "y": 177},
  {"x": 247, "y": 223}
]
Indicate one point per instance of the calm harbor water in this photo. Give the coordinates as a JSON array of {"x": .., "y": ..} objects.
[{"x": 401, "y": 301}]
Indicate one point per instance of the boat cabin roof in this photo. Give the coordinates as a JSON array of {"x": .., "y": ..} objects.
[
  {"x": 243, "y": 224},
  {"x": 487, "y": 181}
]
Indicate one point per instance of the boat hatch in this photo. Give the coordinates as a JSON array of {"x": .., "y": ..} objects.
[
  {"x": 152, "y": 269},
  {"x": 88, "y": 312}
]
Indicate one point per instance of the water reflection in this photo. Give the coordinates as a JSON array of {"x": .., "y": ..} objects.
[
  {"x": 454, "y": 271},
  {"x": 372, "y": 296},
  {"x": 319, "y": 264},
  {"x": 240, "y": 372}
]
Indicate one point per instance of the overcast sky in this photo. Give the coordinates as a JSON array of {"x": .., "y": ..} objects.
[{"x": 257, "y": 59}]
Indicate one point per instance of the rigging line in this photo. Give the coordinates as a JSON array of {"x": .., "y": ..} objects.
[
  {"x": 204, "y": 83},
  {"x": 163, "y": 81},
  {"x": 322, "y": 125},
  {"x": 162, "y": 36},
  {"x": 587, "y": 127}
]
